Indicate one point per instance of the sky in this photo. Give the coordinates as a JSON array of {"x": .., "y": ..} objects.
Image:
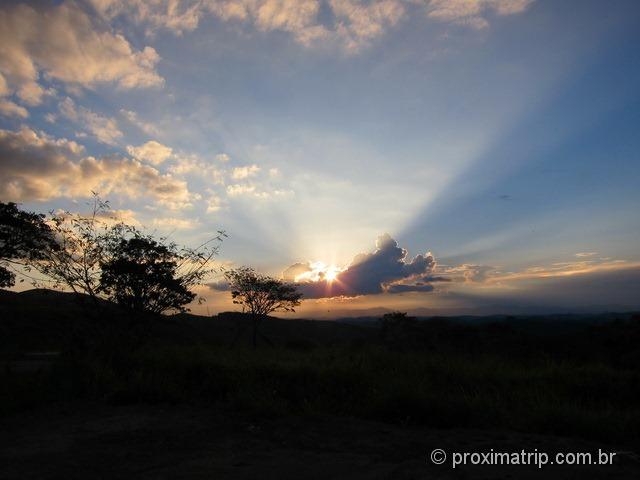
[{"x": 430, "y": 156}]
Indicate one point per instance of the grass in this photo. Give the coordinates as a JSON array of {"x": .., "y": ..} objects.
[{"x": 589, "y": 399}]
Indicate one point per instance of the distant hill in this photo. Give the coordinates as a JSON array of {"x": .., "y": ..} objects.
[
  {"x": 40, "y": 320},
  {"x": 548, "y": 323}
]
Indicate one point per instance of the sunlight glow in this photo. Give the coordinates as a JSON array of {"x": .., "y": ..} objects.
[
  {"x": 319, "y": 271},
  {"x": 331, "y": 273}
]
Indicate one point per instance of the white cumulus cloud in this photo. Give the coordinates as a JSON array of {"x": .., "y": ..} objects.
[
  {"x": 152, "y": 152},
  {"x": 63, "y": 43},
  {"x": 35, "y": 166},
  {"x": 240, "y": 173}
]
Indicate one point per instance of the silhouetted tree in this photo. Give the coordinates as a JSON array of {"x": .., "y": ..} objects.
[
  {"x": 397, "y": 330},
  {"x": 81, "y": 247},
  {"x": 261, "y": 295},
  {"x": 144, "y": 275},
  {"x": 97, "y": 256},
  {"x": 24, "y": 237},
  {"x": 101, "y": 256}
]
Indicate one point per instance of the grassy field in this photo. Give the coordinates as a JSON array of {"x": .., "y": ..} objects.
[
  {"x": 589, "y": 400},
  {"x": 570, "y": 379}
]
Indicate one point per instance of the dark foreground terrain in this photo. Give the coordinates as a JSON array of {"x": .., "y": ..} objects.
[
  {"x": 94, "y": 393},
  {"x": 151, "y": 442}
]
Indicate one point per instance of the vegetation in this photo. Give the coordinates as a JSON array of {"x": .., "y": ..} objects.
[
  {"x": 436, "y": 388},
  {"x": 120, "y": 275},
  {"x": 81, "y": 241},
  {"x": 261, "y": 295},
  {"x": 24, "y": 238},
  {"x": 102, "y": 257},
  {"x": 580, "y": 378},
  {"x": 144, "y": 275}
]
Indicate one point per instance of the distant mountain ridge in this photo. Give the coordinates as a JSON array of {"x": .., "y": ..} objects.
[{"x": 39, "y": 319}]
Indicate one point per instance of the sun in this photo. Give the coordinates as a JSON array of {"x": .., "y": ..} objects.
[
  {"x": 320, "y": 271},
  {"x": 331, "y": 273}
]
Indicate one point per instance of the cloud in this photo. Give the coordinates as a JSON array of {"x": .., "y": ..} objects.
[
  {"x": 387, "y": 269},
  {"x": 249, "y": 181},
  {"x": 9, "y": 108},
  {"x": 35, "y": 166},
  {"x": 12, "y": 109},
  {"x": 403, "y": 288},
  {"x": 490, "y": 276},
  {"x": 174, "y": 223},
  {"x": 174, "y": 15},
  {"x": 105, "y": 129},
  {"x": 240, "y": 189},
  {"x": 4, "y": 88},
  {"x": 185, "y": 164},
  {"x": 347, "y": 24},
  {"x": 588, "y": 291},
  {"x": 563, "y": 269},
  {"x": 107, "y": 217},
  {"x": 147, "y": 127},
  {"x": 354, "y": 23},
  {"x": 472, "y": 12},
  {"x": 64, "y": 44},
  {"x": 240, "y": 173},
  {"x": 293, "y": 272},
  {"x": 250, "y": 190},
  {"x": 470, "y": 273},
  {"x": 152, "y": 152},
  {"x": 122, "y": 215},
  {"x": 214, "y": 204},
  {"x": 357, "y": 23},
  {"x": 298, "y": 17},
  {"x": 222, "y": 157}
]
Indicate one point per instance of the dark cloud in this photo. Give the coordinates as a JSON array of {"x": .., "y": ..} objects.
[
  {"x": 436, "y": 278},
  {"x": 387, "y": 269},
  {"x": 404, "y": 288}
]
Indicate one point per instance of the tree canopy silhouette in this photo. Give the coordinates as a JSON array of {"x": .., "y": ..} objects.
[
  {"x": 99, "y": 255},
  {"x": 24, "y": 237},
  {"x": 143, "y": 275},
  {"x": 261, "y": 295}
]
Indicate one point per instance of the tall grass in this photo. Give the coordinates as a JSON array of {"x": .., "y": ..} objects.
[{"x": 544, "y": 395}]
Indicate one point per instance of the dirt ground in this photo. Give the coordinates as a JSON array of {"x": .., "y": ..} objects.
[{"x": 103, "y": 442}]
